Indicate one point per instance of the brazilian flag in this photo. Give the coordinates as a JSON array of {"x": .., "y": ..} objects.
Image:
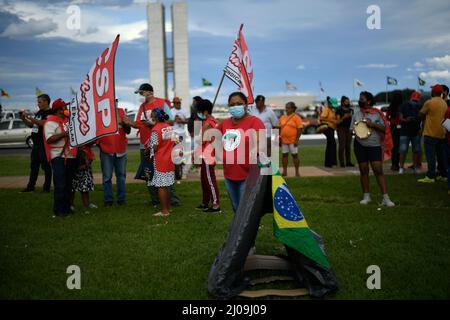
[
  {"x": 290, "y": 226},
  {"x": 206, "y": 83},
  {"x": 421, "y": 81}
]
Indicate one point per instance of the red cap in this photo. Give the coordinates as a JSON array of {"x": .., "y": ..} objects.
[
  {"x": 416, "y": 96},
  {"x": 59, "y": 103},
  {"x": 437, "y": 88}
]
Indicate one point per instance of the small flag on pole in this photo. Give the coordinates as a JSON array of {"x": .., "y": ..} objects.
[
  {"x": 5, "y": 94},
  {"x": 321, "y": 87},
  {"x": 290, "y": 86},
  {"x": 206, "y": 83},
  {"x": 357, "y": 83},
  {"x": 73, "y": 92},
  {"x": 392, "y": 81},
  {"x": 421, "y": 81},
  {"x": 38, "y": 92}
]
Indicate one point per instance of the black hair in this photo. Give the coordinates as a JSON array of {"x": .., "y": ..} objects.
[
  {"x": 239, "y": 94},
  {"x": 205, "y": 105},
  {"x": 397, "y": 101},
  {"x": 292, "y": 104},
  {"x": 45, "y": 97},
  {"x": 444, "y": 88},
  {"x": 369, "y": 97},
  {"x": 197, "y": 98},
  {"x": 343, "y": 98},
  {"x": 260, "y": 98}
]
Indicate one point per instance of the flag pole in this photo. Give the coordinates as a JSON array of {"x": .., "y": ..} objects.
[
  {"x": 218, "y": 89},
  {"x": 387, "y": 91}
]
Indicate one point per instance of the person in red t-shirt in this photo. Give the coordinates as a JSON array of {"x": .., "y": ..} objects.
[
  {"x": 161, "y": 144},
  {"x": 113, "y": 156},
  {"x": 207, "y": 174},
  {"x": 236, "y": 132},
  {"x": 144, "y": 126}
]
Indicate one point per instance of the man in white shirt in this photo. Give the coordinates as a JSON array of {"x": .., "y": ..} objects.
[
  {"x": 266, "y": 115},
  {"x": 61, "y": 156},
  {"x": 181, "y": 117}
]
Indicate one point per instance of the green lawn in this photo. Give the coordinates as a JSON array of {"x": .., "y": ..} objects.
[
  {"x": 18, "y": 165},
  {"x": 127, "y": 253}
]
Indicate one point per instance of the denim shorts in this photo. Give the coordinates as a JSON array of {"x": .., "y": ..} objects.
[{"x": 404, "y": 144}]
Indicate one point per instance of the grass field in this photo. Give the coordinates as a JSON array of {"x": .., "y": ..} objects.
[
  {"x": 309, "y": 156},
  {"x": 129, "y": 254}
]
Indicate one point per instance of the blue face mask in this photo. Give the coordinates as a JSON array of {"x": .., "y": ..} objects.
[
  {"x": 237, "y": 112},
  {"x": 201, "y": 116}
]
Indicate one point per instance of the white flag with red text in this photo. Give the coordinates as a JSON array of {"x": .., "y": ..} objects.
[
  {"x": 93, "y": 112},
  {"x": 239, "y": 68}
]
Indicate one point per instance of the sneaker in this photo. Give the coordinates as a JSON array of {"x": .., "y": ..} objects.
[
  {"x": 212, "y": 210},
  {"x": 387, "y": 202},
  {"x": 92, "y": 206},
  {"x": 442, "y": 179},
  {"x": 160, "y": 214},
  {"x": 401, "y": 171},
  {"x": 27, "y": 190},
  {"x": 202, "y": 207},
  {"x": 365, "y": 200},
  {"x": 426, "y": 180}
]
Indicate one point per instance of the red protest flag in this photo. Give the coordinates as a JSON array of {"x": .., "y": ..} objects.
[{"x": 239, "y": 67}]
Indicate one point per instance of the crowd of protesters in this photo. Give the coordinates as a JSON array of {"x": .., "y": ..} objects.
[{"x": 163, "y": 126}]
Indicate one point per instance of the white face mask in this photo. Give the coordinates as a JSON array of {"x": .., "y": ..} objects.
[{"x": 151, "y": 121}]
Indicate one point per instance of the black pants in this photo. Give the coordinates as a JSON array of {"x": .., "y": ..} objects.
[
  {"x": 345, "y": 143},
  {"x": 63, "y": 173},
  {"x": 38, "y": 159},
  {"x": 395, "y": 150},
  {"x": 330, "y": 151}
]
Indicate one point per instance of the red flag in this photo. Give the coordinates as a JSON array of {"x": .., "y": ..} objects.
[
  {"x": 239, "y": 68},
  {"x": 94, "y": 114}
]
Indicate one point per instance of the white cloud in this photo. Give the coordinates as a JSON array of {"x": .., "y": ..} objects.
[
  {"x": 300, "y": 67},
  {"x": 96, "y": 26},
  {"x": 419, "y": 64},
  {"x": 440, "y": 62},
  {"x": 378, "y": 66},
  {"x": 200, "y": 91},
  {"x": 436, "y": 75},
  {"x": 29, "y": 28}
]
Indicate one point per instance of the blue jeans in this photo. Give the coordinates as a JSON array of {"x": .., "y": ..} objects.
[
  {"x": 63, "y": 173},
  {"x": 415, "y": 143},
  {"x": 119, "y": 164},
  {"x": 434, "y": 150},
  {"x": 235, "y": 192}
]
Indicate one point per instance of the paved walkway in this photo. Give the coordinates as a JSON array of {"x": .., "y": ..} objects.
[{"x": 21, "y": 181}]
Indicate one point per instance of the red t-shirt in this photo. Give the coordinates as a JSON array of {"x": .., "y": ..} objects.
[
  {"x": 115, "y": 143},
  {"x": 208, "y": 153},
  {"x": 233, "y": 135},
  {"x": 163, "y": 153},
  {"x": 147, "y": 107}
]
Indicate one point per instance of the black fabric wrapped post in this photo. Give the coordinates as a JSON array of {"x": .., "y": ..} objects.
[{"x": 226, "y": 278}]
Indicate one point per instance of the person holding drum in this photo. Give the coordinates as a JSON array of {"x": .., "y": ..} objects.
[{"x": 373, "y": 144}]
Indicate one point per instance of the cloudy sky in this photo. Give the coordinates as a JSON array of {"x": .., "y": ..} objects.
[{"x": 303, "y": 42}]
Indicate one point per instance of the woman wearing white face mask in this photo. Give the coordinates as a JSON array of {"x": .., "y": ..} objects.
[{"x": 236, "y": 137}]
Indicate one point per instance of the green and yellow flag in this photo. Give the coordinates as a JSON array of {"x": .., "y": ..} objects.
[
  {"x": 206, "y": 82},
  {"x": 38, "y": 92},
  {"x": 421, "y": 81},
  {"x": 290, "y": 226}
]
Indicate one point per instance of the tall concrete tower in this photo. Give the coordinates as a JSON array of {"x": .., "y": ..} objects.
[{"x": 159, "y": 63}]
